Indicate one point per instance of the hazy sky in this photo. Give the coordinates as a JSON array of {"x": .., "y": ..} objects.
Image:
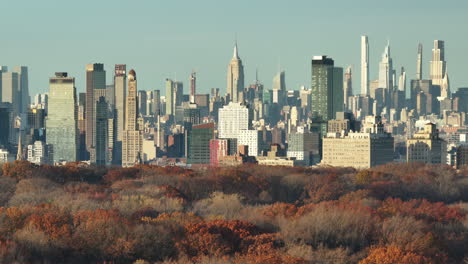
[{"x": 167, "y": 39}]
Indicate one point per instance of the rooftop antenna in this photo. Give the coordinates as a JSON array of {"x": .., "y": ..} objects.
[{"x": 256, "y": 75}]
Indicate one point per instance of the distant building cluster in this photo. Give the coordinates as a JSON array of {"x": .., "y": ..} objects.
[{"x": 118, "y": 123}]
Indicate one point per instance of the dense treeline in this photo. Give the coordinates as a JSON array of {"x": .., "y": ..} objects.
[{"x": 397, "y": 213}]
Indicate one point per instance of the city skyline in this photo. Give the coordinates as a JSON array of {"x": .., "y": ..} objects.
[{"x": 162, "y": 49}]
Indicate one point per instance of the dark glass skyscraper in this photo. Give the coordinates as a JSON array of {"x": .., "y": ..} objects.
[
  {"x": 95, "y": 88},
  {"x": 199, "y": 143},
  {"x": 327, "y": 90},
  {"x": 101, "y": 131}
]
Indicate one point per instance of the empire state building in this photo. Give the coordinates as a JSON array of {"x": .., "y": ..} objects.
[{"x": 235, "y": 79}]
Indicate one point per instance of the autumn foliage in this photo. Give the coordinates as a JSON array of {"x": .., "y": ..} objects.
[{"x": 397, "y": 213}]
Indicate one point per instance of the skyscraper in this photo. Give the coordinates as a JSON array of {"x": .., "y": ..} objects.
[
  {"x": 193, "y": 86},
  {"x": 120, "y": 91},
  {"x": 232, "y": 118},
  {"x": 156, "y": 102},
  {"x": 327, "y": 88},
  {"x": 132, "y": 136},
  {"x": 142, "y": 101},
  {"x": 170, "y": 104},
  {"x": 178, "y": 93},
  {"x": 199, "y": 143},
  {"x": 61, "y": 124},
  {"x": 10, "y": 90},
  {"x": 120, "y": 86},
  {"x": 149, "y": 103},
  {"x": 438, "y": 69},
  {"x": 279, "y": 88},
  {"x": 386, "y": 70},
  {"x": 95, "y": 88},
  {"x": 347, "y": 86},
  {"x": 6, "y": 117},
  {"x": 438, "y": 64},
  {"x": 174, "y": 96},
  {"x": 23, "y": 88},
  {"x": 235, "y": 78},
  {"x": 101, "y": 131},
  {"x": 419, "y": 62},
  {"x": 364, "y": 65},
  {"x": 402, "y": 80}
]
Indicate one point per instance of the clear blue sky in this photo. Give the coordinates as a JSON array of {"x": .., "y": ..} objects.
[{"x": 162, "y": 39}]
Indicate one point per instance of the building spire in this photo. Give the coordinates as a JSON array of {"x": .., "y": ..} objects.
[
  {"x": 19, "y": 155},
  {"x": 236, "y": 54}
]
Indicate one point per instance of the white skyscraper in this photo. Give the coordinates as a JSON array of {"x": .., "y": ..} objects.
[
  {"x": 364, "y": 65},
  {"x": 37, "y": 153},
  {"x": 279, "y": 88},
  {"x": 347, "y": 86},
  {"x": 438, "y": 68},
  {"x": 232, "y": 118},
  {"x": 252, "y": 139},
  {"x": 386, "y": 70},
  {"x": 402, "y": 80}
]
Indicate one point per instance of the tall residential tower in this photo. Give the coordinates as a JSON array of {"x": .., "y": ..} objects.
[
  {"x": 132, "y": 137},
  {"x": 347, "y": 86},
  {"x": 364, "y": 65},
  {"x": 386, "y": 70},
  {"x": 95, "y": 88}
]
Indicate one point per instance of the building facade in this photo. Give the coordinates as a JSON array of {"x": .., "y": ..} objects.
[
  {"x": 132, "y": 141},
  {"x": 327, "y": 89},
  {"x": 199, "y": 144},
  {"x": 61, "y": 122},
  {"x": 232, "y": 118},
  {"x": 426, "y": 146},
  {"x": 235, "y": 78},
  {"x": 364, "y": 65},
  {"x": 360, "y": 150},
  {"x": 95, "y": 88}
]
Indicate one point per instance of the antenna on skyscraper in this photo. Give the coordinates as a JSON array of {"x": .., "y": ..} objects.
[{"x": 256, "y": 75}]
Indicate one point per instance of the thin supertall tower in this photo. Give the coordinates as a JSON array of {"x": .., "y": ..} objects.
[
  {"x": 419, "y": 63},
  {"x": 347, "y": 86},
  {"x": 386, "y": 70},
  {"x": 193, "y": 86},
  {"x": 364, "y": 65}
]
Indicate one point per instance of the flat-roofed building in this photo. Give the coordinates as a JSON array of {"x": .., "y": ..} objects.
[
  {"x": 426, "y": 146},
  {"x": 358, "y": 150}
]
